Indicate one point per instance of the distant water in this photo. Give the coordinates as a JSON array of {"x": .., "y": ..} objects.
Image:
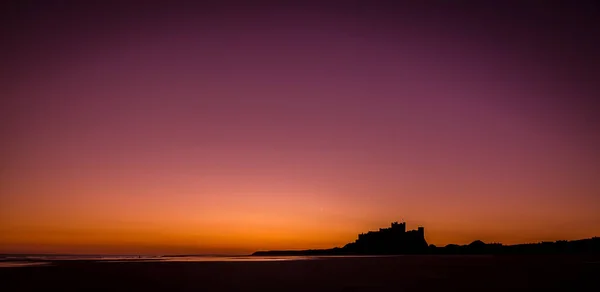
[
  {"x": 28, "y": 260},
  {"x": 235, "y": 258},
  {"x": 9, "y": 264}
]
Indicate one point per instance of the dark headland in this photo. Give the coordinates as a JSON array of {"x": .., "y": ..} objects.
[{"x": 396, "y": 240}]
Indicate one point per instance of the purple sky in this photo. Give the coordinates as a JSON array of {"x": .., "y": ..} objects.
[{"x": 269, "y": 120}]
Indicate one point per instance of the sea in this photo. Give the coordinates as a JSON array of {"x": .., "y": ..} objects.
[{"x": 33, "y": 260}]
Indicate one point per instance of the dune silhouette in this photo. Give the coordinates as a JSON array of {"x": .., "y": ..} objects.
[{"x": 395, "y": 240}]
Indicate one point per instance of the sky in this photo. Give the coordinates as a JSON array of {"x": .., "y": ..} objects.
[{"x": 224, "y": 127}]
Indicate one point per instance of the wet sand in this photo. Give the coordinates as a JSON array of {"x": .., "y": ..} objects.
[{"x": 402, "y": 273}]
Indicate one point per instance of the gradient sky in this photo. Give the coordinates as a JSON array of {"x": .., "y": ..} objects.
[{"x": 225, "y": 128}]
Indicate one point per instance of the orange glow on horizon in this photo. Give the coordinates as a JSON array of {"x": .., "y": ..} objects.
[{"x": 264, "y": 221}]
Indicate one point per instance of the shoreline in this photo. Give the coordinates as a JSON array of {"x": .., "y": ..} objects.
[{"x": 380, "y": 273}]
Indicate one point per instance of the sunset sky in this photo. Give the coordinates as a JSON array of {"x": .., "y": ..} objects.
[{"x": 228, "y": 128}]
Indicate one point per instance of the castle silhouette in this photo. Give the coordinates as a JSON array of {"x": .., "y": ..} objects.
[
  {"x": 386, "y": 241},
  {"x": 392, "y": 240}
]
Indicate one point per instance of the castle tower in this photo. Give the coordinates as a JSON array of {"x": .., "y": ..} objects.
[{"x": 399, "y": 227}]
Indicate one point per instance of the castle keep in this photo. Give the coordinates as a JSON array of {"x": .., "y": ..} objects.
[{"x": 392, "y": 240}]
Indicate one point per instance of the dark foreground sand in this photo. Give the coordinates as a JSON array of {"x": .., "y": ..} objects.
[{"x": 404, "y": 273}]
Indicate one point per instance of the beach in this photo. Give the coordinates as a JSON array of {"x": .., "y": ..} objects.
[{"x": 394, "y": 273}]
